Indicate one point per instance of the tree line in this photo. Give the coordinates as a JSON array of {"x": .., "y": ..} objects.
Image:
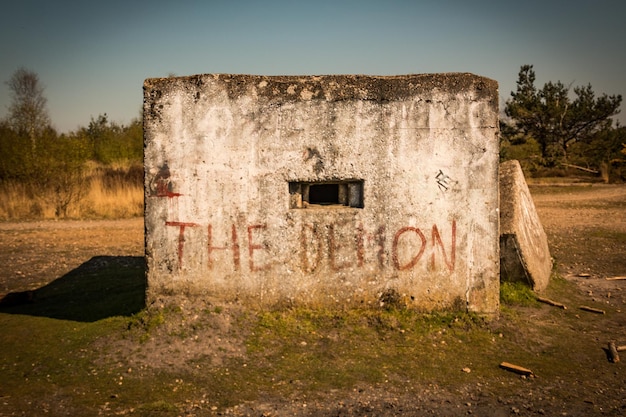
[
  {"x": 49, "y": 163},
  {"x": 546, "y": 128},
  {"x": 549, "y": 129}
]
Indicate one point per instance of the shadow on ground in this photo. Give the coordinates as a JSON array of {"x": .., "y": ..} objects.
[{"x": 104, "y": 286}]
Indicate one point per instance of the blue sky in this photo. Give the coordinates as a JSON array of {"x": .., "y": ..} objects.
[{"x": 92, "y": 57}]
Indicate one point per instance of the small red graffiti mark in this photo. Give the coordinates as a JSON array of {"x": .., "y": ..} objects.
[
  {"x": 394, "y": 248},
  {"x": 163, "y": 183},
  {"x": 181, "y": 238},
  {"x": 437, "y": 242},
  {"x": 234, "y": 246},
  {"x": 304, "y": 249},
  {"x": 360, "y": 245},
  {"x": 380, "y": 238},
  {"x": 333, "y": 248},
  {"x": 236, "y": 252},
  {"x": 163, "y": 189},
  {"x": 252, "y": 247}
]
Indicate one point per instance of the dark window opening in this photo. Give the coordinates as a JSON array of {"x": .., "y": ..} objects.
[{"x": 326, "y": 194}]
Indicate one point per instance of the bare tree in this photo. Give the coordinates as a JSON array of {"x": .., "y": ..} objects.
[{"x": 28, "y": 113}]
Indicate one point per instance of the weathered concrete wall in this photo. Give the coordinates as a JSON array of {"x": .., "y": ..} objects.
[
  {"x": 239, "y": 169},
  {"x": 525, "y": 255}
]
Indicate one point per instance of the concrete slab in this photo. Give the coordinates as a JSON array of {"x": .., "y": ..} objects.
[
  {"x": 524, "y": 252},
  {"x": 324, "y": 190}
]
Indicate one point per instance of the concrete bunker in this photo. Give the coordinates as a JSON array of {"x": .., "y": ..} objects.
[{"x": 324, "y": 190}]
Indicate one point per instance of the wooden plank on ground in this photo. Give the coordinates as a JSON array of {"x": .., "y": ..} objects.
[
  {"x": 516, "y": 368},
  {"x": 552, "y": 303},
  {"x": 592, "y": 310}
]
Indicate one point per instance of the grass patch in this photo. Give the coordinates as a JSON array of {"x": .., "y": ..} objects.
[
  {"x": 517, "y": 293},
  {"x": 288, "y": 352},
  {"x": 159, "y": 406},
  {"x": 322, "y": 350},
  {"x": 59, "y": 363},
  {"x": 146, "y": 322}
]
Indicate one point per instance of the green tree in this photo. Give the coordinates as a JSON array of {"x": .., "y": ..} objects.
[
  {"x": 65, "y": 164},
  {"x": 112, "y": 142},
  {"x": 552, "y": 118},
  {"x": 51, "y": 166},
  {"x": 16, "y": 161},
  {"x": 53, "y": 172},
  {"x": 28, "y": 113},
  {"x": 605, "y": 150}
]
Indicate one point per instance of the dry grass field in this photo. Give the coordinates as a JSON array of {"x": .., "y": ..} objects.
[{"x": 101, "y": 193}]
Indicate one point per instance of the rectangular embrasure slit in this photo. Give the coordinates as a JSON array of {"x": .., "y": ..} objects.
[{"x": 330, "y": 194}]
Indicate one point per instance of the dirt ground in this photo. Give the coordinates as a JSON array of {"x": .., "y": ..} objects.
[
  {"x": 33, "y": 254},
  {"x": 586, "y": 228}
]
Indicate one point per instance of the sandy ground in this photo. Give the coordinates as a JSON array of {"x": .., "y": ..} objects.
[
  {"x": 32, "y": 254},
  {"x": 586, "y": 230}
]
